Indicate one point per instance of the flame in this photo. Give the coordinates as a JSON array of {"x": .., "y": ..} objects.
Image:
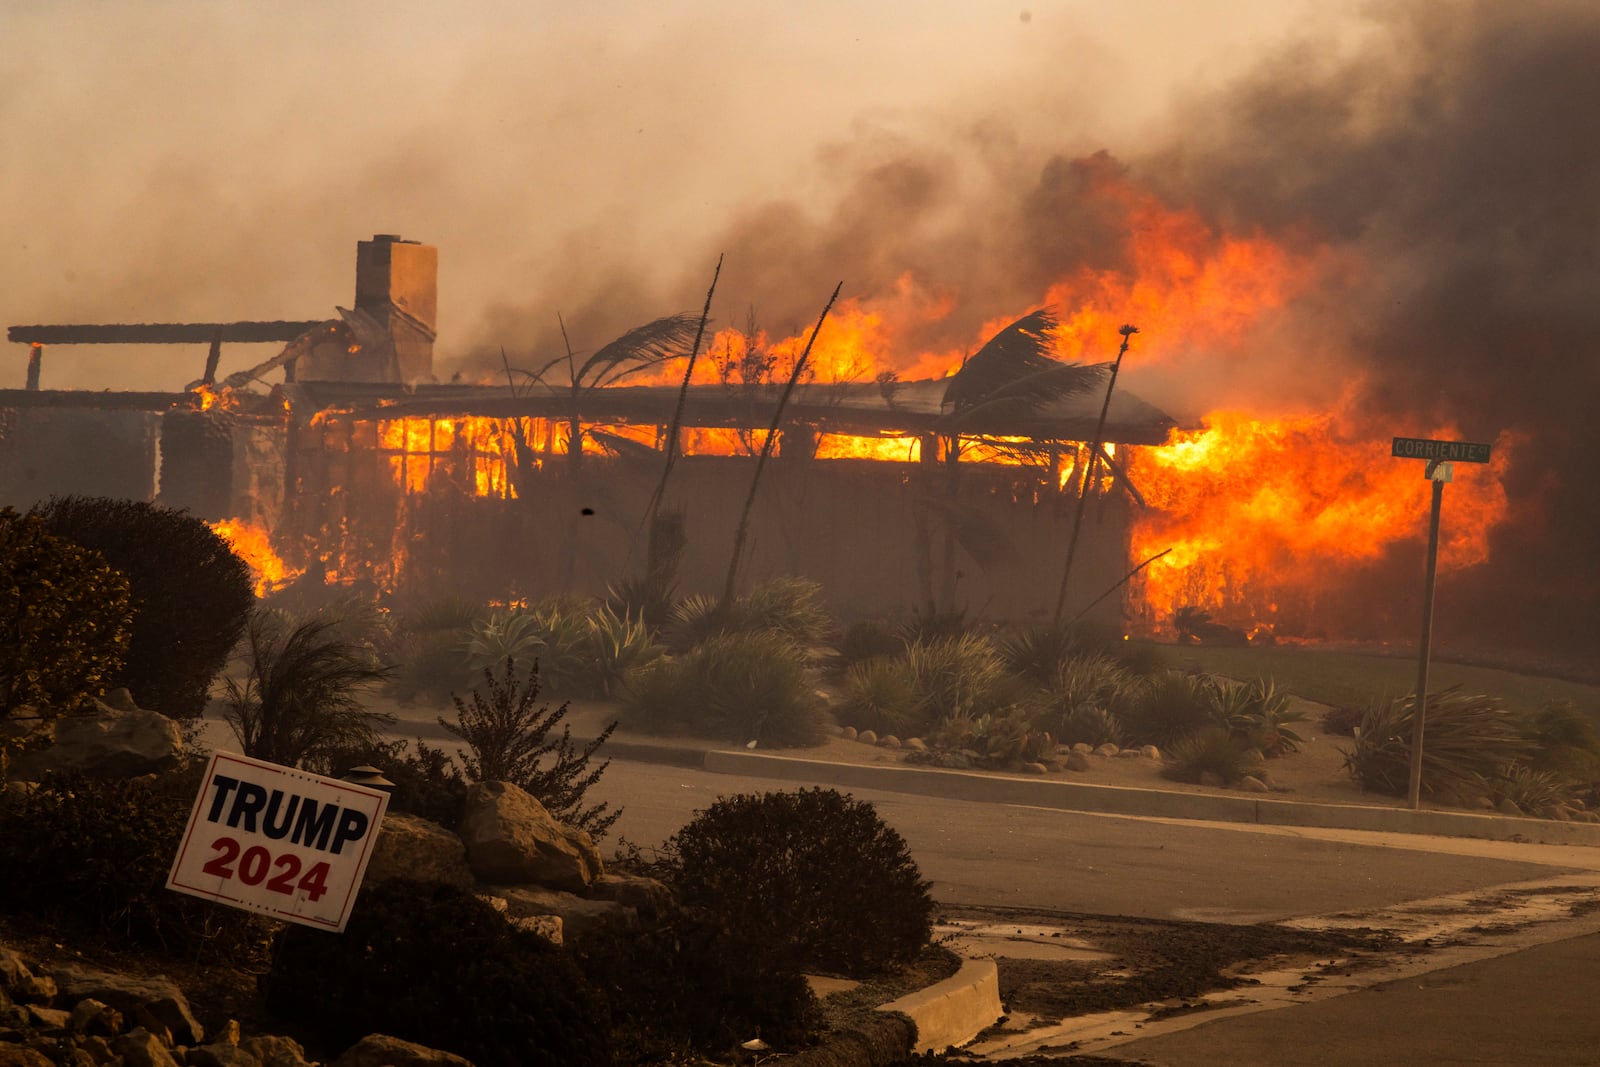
[
  {"x": 253, "y": 544},
  {"x": 1259, "y": 514},
  {"x": 206, "y": 397}
]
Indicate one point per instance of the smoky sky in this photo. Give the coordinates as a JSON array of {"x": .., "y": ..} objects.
[{"x": 591, "y": 176}]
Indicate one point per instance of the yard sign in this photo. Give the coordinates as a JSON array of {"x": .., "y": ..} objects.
[{"x": 278, "y": 841}]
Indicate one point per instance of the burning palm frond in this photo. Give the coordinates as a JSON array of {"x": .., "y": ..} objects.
[
  {"x": 1013, "y": 373},
  {"x": 639, "y": 349}
]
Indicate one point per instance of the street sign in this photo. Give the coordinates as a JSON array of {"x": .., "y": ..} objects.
[
  {"x": 278, "y": 841},
  {"x": 1446, "y": 451}
]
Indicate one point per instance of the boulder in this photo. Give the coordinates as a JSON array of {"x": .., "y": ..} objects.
[
  {"x": 275, "y": 1051},
  {"x": 1077, "y": 761},
  {"x": 141, "y": 1048},
  {"x": 410, "y": 846},
  {"x": 154, "y": 1002},
  {"x": 647, "y": 896},
  {"x": 380, "y": 1050},
  {"x": 105, "y": 742},
  {"x": 19, "y": 1056},
  {"x": 1107, "y": 749},
  {"x": 579, "y": 916},
  {"x": 512, "y": 840},
  {"x": 868, "y": 737},
  {"x": 1033, "y": 768},
  {"x": 220, "y": 1054}
]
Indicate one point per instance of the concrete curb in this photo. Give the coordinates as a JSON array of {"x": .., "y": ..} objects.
[
  {"x": 950, "y": 1013},
  {"x": 1169, "y": 804}
]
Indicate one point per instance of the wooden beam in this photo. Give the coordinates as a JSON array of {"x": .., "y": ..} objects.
[{"x": 161, "y": 333}]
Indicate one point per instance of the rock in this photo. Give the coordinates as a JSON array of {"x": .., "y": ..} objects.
[
  {"x": 548, "y": 927},
  {"x": 579, "y": 917},
  {"x": 848, "y": 733},
  {"x": 1034, "y": 768},
  {"x": 1107, "y": 749},
  {"x": 220, "y": 1054},
  {"x": 1084, "y": 747},
  {"x": 1053, "y": 765},
  {"x": 1077, "y": 761},
  {"x": 90, "y": 1016},
  {"x": 1212, "y": 779},
  {"x": 275, "y": 1051},
  {"x": 867, "y": 737},
  {"x": 647, "y": 896},
  {"x": 13, "y": 969},
  {"x": 1508, "y": 806},
  {"x": 379, "y": 1050},
  {"x": 888, "y": 741},
  {"x": 18, "y": 1056},
  {"x": 106, "y": 742},
  {"x": 1150, "y": 752},
  {"x": 36, "y": 989},
  {"x": 1129, "y": 753},
  {"x": 1559, "y": 812},
  {"x": 49, "y": 1018},
  {"x": 1483, "y": 802},
  {"x": 916, "y": 744},
  {"x": 152, "y": 1001},
  {"x": 410, "y": 846},
  {"x": 512, "y": 840},
  {"x": 141, "y": 1048},
  {"x": 1251, "y": 784}
]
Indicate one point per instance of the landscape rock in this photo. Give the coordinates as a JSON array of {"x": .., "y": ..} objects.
[
  {"x": 867, "y": 737},
  {"x": 1077, "y": 761},
  {"x": 916, "y": 744},
  {"x": 1251, "y": 784},
  {"x": 1034, "y": 768},
  {"x": 161, "y": 1001},
  {"x": 579, "y": 917},
  {"x": 848, "y": 733},
  {"x": 1084, "y": 747},
  {"x": 1107, "y": 749},
  {"x": 275, "y": 1051},
  {"x": 19, "y": 1056},
  {"x": 1150, "y": 752},
  {"x": 13, "y": 969},
  {"x": 49, "y": 1018},
  {"x": 220, "y": 1054},
  {"x": 106, "y": 742},
  {"x": 647, "y": 896},
  {"x": 141, "y": 1048},
  {"x": 512, "y": 840},
  {"x": 379, "y": 1050},
  {"x": 1508, "y": 806},
  {"x": 410, "y": 846},
  {"x": 90, "y": 1016},
  {"x": 888, "y": 741}
]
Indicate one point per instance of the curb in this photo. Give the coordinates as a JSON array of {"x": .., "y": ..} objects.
[
  {"x": 1120, "y": 800},
  {"x": 950, "y": 1013}
]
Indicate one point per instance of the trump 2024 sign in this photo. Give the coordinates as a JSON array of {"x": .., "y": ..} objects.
[{"x": 278, "y": 841}]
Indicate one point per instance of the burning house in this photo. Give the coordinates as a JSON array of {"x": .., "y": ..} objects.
[{"x": 341, "y": 460}]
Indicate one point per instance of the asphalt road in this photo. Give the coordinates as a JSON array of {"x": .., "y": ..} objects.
[{"x": 1004, "y": 855}]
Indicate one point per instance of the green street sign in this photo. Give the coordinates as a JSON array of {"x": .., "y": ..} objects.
[{"x": 1441, "y": 451}]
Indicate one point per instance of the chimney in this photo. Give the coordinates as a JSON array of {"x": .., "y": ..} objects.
[{"x": 397, "y": 286}]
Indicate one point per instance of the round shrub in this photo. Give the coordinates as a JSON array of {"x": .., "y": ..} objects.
[
  {"x": 191, "y": 594},
  {"x": 64, "y": 615},
  {"x": 431, "y": 963},
  {"x": 812, "y": 875},
  {"x": 95, "y": 853}
]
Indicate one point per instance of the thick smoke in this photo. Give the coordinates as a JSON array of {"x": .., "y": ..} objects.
[{"x": 1457, "y": 158}]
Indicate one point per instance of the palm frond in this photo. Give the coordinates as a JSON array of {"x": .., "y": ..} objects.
[
  {"x": 641, "y": 347},
  {"x": 1014, "y": 370}
]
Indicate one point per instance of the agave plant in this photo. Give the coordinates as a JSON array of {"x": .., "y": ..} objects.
[
  {"x": 881, "y": 694},
  {"x": 1257, "y": 713},
  {"x": 502, "y": 635},
  {"x": 617, "y": 644}
]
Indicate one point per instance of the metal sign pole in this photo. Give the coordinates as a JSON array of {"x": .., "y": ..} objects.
[{"x": 1438, "y": 473}]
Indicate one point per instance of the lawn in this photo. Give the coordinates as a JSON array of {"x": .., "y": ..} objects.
[{"x": 1357, "y": 679}]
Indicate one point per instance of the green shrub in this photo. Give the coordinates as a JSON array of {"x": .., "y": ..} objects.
[
  {"x": 867, "y": 639},
  {"x": 1078, "y": 696},
  {"x": 881, "y": 694},
  {"x": 687, "y": 985},
  {"x": 1467, "y": 742},
  {"x": 994, "y": 740},
  {"x": 613, "y": 645},
  {"x": 1167, "y": 708},
  {"x": 503, "y": 635},
  {"x": 788, "y": 606},
  {"x": 1567, "y": 742},
  {"x": 64, "y": 619},
  {"x": 1214, "y": 751},
  {"x": 433, "y": 964},
  {"x": 427, "y": 782},
  {"x": 191, "y": 594},
  {"x": 1258, "y": 714},
  {"x": 749, "y": 686},
  {"x": 94, "y": 853},
  {"x": 814, "y": 878},
  {"x": 1535, "y": 792},
  {"x": 508, "y": 740},
  {"x": 299, "y": 699},
  {"x": 1038, "y": 654},
  {"x": 961, "y": 676}
]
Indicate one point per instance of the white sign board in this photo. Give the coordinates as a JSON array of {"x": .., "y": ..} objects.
[{"x": 278, "y": 841}]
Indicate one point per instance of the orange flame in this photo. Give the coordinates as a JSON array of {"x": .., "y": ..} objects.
[
  {"x": 253, "y": 544},
  {"x": 1257, "y": 511}
]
